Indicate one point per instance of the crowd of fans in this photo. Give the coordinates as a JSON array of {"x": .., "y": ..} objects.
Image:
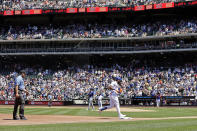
[
  {"x": 75, "y": 82},
  {"x": 62, "y": 4},
  {"x": 157, "y": 28}
]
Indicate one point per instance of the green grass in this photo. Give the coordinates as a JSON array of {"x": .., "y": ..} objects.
[
  {"x": 154, "y": 125},
  {"x": 158, "y": 112},
  {"x": 162, "y": 125}
]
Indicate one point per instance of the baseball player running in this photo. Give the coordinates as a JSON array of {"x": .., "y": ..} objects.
[{"x": 114, "y": 101}]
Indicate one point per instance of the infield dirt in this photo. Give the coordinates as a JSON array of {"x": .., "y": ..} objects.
[{"x": 6, "y": 119}]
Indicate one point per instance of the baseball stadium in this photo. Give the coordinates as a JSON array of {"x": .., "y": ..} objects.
[{"x": 98, "y": 65}]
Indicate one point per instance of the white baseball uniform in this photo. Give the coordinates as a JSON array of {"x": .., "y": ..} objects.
[
  {"x": 114, "y": 101},
  {"x": 100, "y": 97}
]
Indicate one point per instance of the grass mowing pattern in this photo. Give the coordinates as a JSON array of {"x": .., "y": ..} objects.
[
  {"x": 154, "y": 125},
  {"x": 162, "y": 125},
  {"x": 161, "y": 112}
]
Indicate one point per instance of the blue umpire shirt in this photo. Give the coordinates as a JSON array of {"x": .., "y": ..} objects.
[{"x": 20, "y": 83}]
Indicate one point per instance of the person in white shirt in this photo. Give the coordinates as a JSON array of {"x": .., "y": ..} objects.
[
  {"x": 115, "y": 88},
  {"x": 100, "y": 97}
]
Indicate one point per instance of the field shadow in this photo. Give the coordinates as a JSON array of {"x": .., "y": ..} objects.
[
  {"x": 104, "y": 118},
  {"x": 7, "y": 119}
]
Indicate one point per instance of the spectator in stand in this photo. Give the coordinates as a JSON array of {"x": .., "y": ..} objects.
[
  {"x": 74, "y": 82},
  {"x": 159, "y": 28},
  {"x": 62, "y": 4}
]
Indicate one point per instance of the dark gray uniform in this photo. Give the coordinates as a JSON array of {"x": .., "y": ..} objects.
[
  {"x": 50, "y": 101},
  {"x": 20, "y": 100}
]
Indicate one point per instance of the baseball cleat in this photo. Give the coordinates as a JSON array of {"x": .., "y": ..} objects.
[
  {"x": 15, "y": 118},
  {"x": 23, "y": 118},
  {"x": 125, "y": 118},
  {"x": 99, "y": 110},
  {"x": 123, "y": 115}
]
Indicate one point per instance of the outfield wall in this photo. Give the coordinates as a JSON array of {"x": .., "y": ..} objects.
[{"x": 138, "y": 100}]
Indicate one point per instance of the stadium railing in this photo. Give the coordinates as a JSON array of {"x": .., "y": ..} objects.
[{"x": 133, "y": 101}]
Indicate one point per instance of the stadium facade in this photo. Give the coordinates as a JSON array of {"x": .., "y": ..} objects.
[{"x": 58, "y": 38}]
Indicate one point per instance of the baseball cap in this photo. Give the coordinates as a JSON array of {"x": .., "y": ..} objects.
[
  {"x": 119, "y": 78},
  {"x": 23, "y": 71}
]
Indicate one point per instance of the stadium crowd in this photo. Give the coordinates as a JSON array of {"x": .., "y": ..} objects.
[
  {"x": 156, "y": 28},
  {"x": 62, "y": 4},
  {"x": 75, "y": 82}
]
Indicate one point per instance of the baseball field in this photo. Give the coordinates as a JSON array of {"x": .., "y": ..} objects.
[{"x": 78, "y": 118}]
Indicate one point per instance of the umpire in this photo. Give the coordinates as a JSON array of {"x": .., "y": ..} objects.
[{"x": 19, "y": 96}]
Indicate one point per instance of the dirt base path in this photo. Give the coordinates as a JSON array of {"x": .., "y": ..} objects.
[{"x": 6, "y": 119}]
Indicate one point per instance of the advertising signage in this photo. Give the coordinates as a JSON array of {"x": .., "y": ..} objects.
[
  {"x": 51, "y": 11},
  {"x": 17, "y": 12},
  {"x": 149, "y": 7},
  {"x": 71, "y": 10},
  {"x": 98, "y": 9},
  {"x": 164, "y": 5},
  {"x": 192, "y": 3},
  {"x": 139, "y": 8},
  {"x": 1, "y": 13},
  {"x": 81, "y": 10},
  {"x": 31, "y": 12},
  {"x": 8, "y": 12},
  {"x": 189, "y": 3},
  {"x": 118, "y": 9}
]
